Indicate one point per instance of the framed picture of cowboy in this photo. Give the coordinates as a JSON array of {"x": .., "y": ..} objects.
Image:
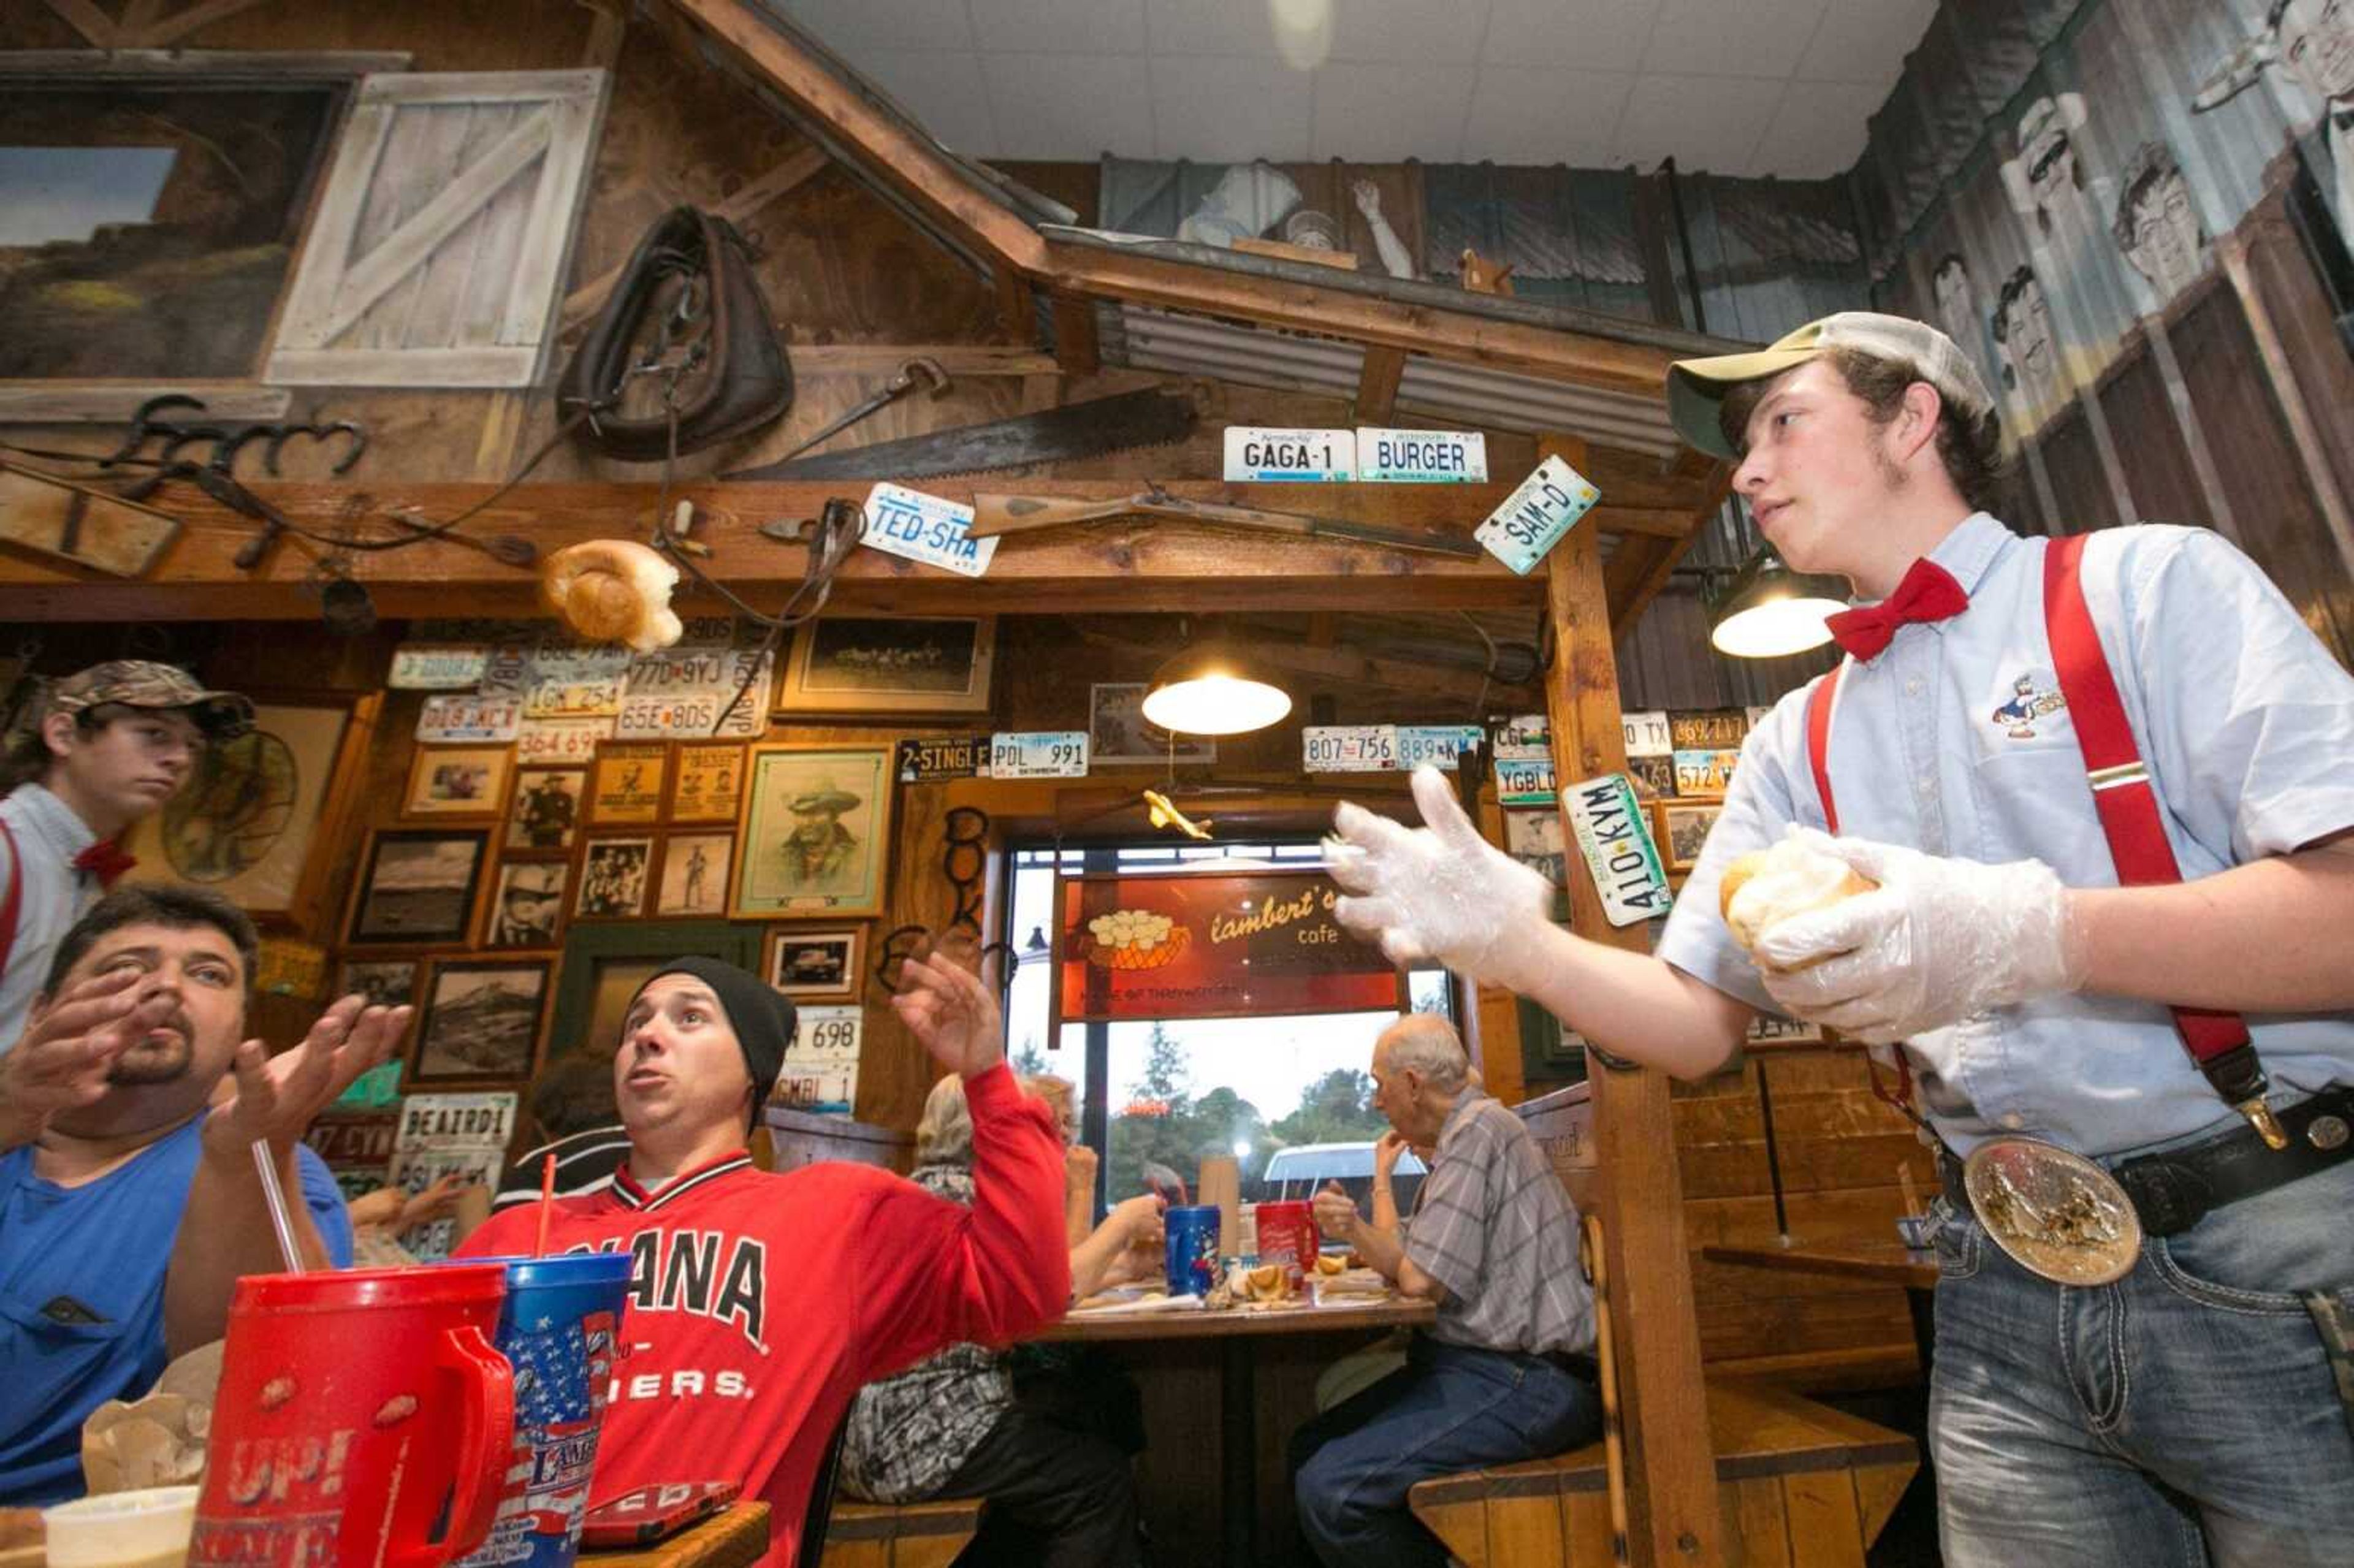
[{"x": 815, "y": 831}]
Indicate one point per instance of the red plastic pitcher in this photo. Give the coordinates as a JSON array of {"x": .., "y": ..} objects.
[{"x": 353, "y": 1407}]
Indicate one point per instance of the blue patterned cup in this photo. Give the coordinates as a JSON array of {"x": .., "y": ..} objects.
[
  {"x": 1193, "y": 1249},
  {"x": 560, "y": 1329}
]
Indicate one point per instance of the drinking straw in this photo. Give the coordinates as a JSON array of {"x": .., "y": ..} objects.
[
  {"x": 276, "y": 1199},
  {"x": 547, "y": 1203},
  {"x": 1904, "y": 1180}
]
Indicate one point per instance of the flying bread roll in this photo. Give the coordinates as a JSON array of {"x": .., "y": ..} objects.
[
  {"x": 1769, "y": 886},
  {"x": 613, "y": 590}
]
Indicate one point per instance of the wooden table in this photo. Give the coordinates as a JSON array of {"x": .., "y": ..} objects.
[
  {"x": 1233, "y": 1332},
  {"x": 1853, "y": 1257}
]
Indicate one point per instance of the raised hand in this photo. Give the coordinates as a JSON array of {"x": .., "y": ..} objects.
[
  {"x": 69, "y": 1046},
  {"x": 1386, "y": 1153},
  {"x": 276, "y": 1097},
  {"x": 1336, "y": 1213},
  {"x": 956, "y": 1017},
  {"x": 1438, "y": 893}
]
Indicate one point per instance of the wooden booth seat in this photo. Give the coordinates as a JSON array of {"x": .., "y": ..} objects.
[
  {"x": 1802, "y": 1485},
  {"x": 899, "y": 1535}
]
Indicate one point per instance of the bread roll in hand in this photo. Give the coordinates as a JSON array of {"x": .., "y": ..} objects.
[
  {"x": 1769, "y": 886},
  {"x": 613, "y": 590}
]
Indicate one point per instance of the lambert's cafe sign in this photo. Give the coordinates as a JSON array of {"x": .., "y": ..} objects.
[{"x": 1256, "y": 944}]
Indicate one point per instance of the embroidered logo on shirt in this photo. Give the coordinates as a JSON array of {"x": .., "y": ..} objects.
[{"x": 2017, "y": 718}]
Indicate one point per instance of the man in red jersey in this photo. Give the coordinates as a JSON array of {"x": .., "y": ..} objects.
[{"x": 760, "y": 1303}]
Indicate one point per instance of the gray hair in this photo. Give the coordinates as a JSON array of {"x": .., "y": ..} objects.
[
  {"x": 1426, "y": 1045},
  {"x": 944, "y": 1135}
]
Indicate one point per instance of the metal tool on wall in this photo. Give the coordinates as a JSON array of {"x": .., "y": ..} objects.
[
  {"x": 926, "y": 372},
  {"x": 999, "y": 515},
  {"x": 1154, "y": 417}
]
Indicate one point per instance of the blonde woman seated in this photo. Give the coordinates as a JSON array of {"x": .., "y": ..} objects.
[{"x": 952, "y": 1427}]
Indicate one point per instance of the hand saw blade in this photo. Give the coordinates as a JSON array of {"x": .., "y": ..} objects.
[{"x": 1155, "y": 417}]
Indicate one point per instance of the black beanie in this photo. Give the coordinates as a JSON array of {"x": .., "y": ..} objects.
[{"x": 763, "y": 1019}]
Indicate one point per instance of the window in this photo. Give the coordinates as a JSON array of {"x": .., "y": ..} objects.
[{"x": 1168, "y": 1093}]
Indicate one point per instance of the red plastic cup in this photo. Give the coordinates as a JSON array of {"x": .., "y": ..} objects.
[
  {"x": 353, "y": 1407},
  {"x": 1288, "y": 1236}
]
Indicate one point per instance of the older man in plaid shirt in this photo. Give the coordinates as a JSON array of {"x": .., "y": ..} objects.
[{"x": 1507, "y": 1372}]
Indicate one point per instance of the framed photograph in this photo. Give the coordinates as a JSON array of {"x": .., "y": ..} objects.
[
  {"x": 481, "y": 1020},
  {"x": 694, "y": 869},
  {"x": 386, "y": 982},
  {"x": 527, "y": 905},
  {"x": 417, "y": 886},
  {"x": 1682, "y": 827},
  {"x": 613, "y": 876},
  {"x": 603, "y": 966},
  {"x": 259, "y": 821},
  {"x": 457, "y": 781},
  {"x": 846, "y": 663},
  {"x": 1534, "y": 838},
  {"x": 1119, "y": 735},
  {"x": 815, "y": 834},
  {"x": 546, "y": 810},
  {"x": 626, "y": 784},
  {"x": 815, "y": 964},
  {"x": 710, "y": 786}
]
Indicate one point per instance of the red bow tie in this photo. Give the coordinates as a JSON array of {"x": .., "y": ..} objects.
[
  {"x": 1927, "y": 593},
  {"x": 106, "y": 859}
]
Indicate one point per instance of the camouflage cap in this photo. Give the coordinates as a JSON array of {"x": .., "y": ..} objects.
[{"x": 142, "y": 683}]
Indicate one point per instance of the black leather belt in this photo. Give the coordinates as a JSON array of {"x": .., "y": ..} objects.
[{"x": 2174, "y": 1190}]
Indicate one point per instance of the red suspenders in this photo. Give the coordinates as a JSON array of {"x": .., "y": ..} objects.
[
  {"x": 14, "y": 900},
  {"x": 2123, "y": 796}
]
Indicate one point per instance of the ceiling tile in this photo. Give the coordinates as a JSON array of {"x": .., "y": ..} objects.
[
  {"x": 1072, "y": 107},
  {"x": 1229, "y": 111},
  {"x": 1707, "y": 123},
  {"x": 1819, "y": 131},
  {"x": 1709, "y": 38},
  {"x": 1379, "y": 113},
  {"x": 944, "y": 92},
  {"x": 1866, "y": 40},
  {"x": 1408, "y": 32},
  {"x": 853, "y": 27},
  {"x": 1061, "y": 27},
  {"x": 1545, "y": 116},
  {"x": 1210, "y": 27},
  {"x": 1593, "y": 35}
]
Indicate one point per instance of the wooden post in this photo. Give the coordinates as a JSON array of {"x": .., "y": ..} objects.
[{"x": 1670, "y": 1469}]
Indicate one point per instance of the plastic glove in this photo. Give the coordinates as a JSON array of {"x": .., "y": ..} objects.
[
  {"x": 1439, "y": 893},
  {"x": 1939, "y": 942}
]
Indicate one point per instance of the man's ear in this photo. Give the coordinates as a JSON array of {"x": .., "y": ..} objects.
[
  {"x": 58, "y": 731},
  {"x": 1917, "y": 427}
]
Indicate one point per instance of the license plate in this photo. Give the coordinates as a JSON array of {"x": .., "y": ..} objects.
[
  {"x": 930, "y": 758},
  {"x": 1038, "y": 754},
  {"x": 1525, "y": 734},
  {"x": 678, "y": 670},
  {"x": 463, "y": 717},
  {"x": 561, "y": 739},
  {"x": 1254, "y": 453},
  {"x": 507, "y": 671},
  {"x": 1705, "y": 772},
  {"x": 1646, "y": 733},
  {"x": 821, "y": 1066},
  {"x": 1436, "y": 744},
  {"x": 419, "y": 667},
  {"x": 1534, "y": 517},
  {"x": 685, "y": 698},
  {"x": 1349, "y": 748},
  {"x": 919, "y": 528},
  {"x": 1422, "y": 456},
  {"x": 1524, "y": 780},
  {"x": 1618, "y": 849},
  {"x": 562, "y": 697}
]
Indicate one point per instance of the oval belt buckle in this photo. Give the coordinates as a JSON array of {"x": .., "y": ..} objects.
[{"x": 2056, "y": 1214}]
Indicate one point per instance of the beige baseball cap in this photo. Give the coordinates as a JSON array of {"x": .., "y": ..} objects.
[{"x": 1696, "y": 387}]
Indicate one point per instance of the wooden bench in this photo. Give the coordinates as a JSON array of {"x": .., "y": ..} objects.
[
  {"x": 899, "y": 1535},
  {"x": 1799, "y": 1483}
]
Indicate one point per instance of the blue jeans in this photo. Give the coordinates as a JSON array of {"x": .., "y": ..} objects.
[
  {"x": 2182, "y": 1416},
  {"x": 1450, "y": 1408}
]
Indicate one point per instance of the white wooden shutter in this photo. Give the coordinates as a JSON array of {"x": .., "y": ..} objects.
[{"x": 438, "y": 254}]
